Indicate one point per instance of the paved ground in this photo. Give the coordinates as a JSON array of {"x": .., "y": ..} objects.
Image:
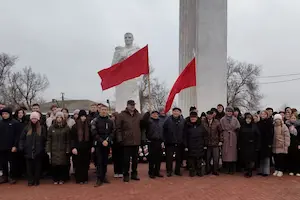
[{"x": 224, "y": 187}]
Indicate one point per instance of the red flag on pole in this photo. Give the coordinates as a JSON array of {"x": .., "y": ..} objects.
[
  {"x": 186, "y": 79},
  {"x": 134, "y": 66}
]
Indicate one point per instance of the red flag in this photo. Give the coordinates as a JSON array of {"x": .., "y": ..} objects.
[
  {"x": 134, "y": 66},
  {"x": 186, "y": 79}
]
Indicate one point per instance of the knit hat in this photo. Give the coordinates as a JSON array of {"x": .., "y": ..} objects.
[
  {"x": 6, "y": 110},
  {"x": 60, "y": 114},
  {"x": 193, "y": 108},
  {"x": 154, "y": 111},
  {"x": 35, "y": 115},
  {"x": 248, "y": 115},
  {"x": 76, "y": 112},
  {"x": 277, "y": 116},
  {"x": 82, "y": 113},
  {"x": 203, "y": 114},
  {"x": 229, "y": 109},
  {"x": 176, "y": 108},
  {"x": 193, "y": 114},
  {"x": 209, "y": 112}
]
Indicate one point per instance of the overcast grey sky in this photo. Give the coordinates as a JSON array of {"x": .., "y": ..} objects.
[{"x": 70, "y": 40}]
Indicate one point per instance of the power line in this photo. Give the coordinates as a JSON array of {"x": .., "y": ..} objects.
[
  {"x": 283, "y": 81},
  {"x": 281, "y": 75}
]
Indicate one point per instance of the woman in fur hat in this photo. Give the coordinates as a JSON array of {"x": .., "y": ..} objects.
[
  {"x": 81, "y": 145},
  {"x": 58, "y": 148},
  {"x": 248, "y": 143},
  {"x": 32, "y": 144},
  {"x": 281, "y": 144},
  {"x": 266, "y": 129},
  {"x": 230, "y": 126}
]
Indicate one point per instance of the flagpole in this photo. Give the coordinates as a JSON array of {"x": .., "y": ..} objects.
[{"x": 149, "y": 91}]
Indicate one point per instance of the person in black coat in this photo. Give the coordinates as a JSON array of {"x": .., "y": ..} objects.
[
  {"x": 9, "y": 138},
  {"x": 248, "y": 143},
  {"x": 81, "y": 146},
  {"x": 195, "y": 139},
  {"x": 32, "y": 145},
  {"x": 173, "y": 140},
  {"x": 266, "y": 129},
  {"x": 18, "y": 159},
  {"x": 294, "y": 148},
  {"x": 154, "y": 134},
  {"x": 102, "y": 129}
]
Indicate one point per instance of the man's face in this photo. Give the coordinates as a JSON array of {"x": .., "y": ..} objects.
[
  {"x": 193, "y": 119},
  {"x": 128, "y": 39},
  {"x": 5, "y": 115},
  {"x": 210, "y": 117},
  {"x": 103, "y": 111},
  {"x": 270, "y": 112},
  {"x": 263, "y": 115},
  {"x": 20, "y": 114},
  {"x": 176, "y": 113},
  {"x": 154, "y": 115},
  {"x": 131, "y": 107},
  {"x": 93, "y": 108},
  {"x": 2, "y": 106},
  {"x": 35, "y": 108},
  {"x": 66, "y": 114}
]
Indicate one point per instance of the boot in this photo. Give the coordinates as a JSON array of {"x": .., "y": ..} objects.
[
  {"x": 98, "y": 183},
  {"x": 105, "y": 180},
  {"x": 126, "y": 178},
  {"x": 169, "y": 174},
  {"x": 192, "y": 173},
  {"x": 3, "y": 179},
  {"x": 135, "y": 177}
]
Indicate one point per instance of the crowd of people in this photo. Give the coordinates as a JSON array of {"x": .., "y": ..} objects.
[{"x": 58, "y": 144}]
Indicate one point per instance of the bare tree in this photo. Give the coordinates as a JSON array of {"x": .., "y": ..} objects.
[
  {"x": 6, "y": 64},
  {"x": 242, "y": 85},
  {"x": 158, "y": 93},
  {"x": 25, "y": 87}
]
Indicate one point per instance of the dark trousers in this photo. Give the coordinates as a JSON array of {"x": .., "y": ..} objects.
[
  {"x": 280, "y": 161},
  {"x": 82, "y": 163},
  {"x": 170, "y": 150},
  {"x": 117, "y": 156},
  {"x": 5, "y": 158},
  {"x": 196, "y": 165},
  {"x": 213, "y": 153},
  {"x": 130, "y": 152},
  {"x": 102, "y": 161},
  {"x": 34, "y": 170},
  {"x": 249, "y": 166},
  {"x": 155, "y": 156},
  {"x": 293, "y": 160},
  {"x": 59, "y": 172},
  {"x": 230, "y": 167}
]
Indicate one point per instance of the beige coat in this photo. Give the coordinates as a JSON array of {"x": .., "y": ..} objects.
[{"x": 281, "y": 141}]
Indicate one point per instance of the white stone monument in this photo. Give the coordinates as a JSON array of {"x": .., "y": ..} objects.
[
  {"x": 203, "y": 29},
  {"x": 128, "y": 90}
]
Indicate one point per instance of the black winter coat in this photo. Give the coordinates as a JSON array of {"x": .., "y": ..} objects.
[
  {"x": 33, "y": 144},
  {"x": 154, "y": 130},
  {"x": 266, "y": 130},
  {"x": 102, "y": 128},
  {"x": 295, "y": 139},
  {"x": 195, "y": 138},
  {"x": 249, "y": 142},
  {"x": 10, "y": 131},
  {"x": 173, "y": 130}
]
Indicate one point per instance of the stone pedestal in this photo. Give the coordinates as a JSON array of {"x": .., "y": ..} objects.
[
  {"x": 187, "y": 49},
  {"x": 203, "y": 27}
]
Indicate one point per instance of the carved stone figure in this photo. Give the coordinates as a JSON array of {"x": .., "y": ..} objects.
[{"x": 128, "y": 90}]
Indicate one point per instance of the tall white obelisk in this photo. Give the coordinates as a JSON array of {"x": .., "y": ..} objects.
[
  {"x": 210, "y": 27},
  {"x": 187, "y": 49}
]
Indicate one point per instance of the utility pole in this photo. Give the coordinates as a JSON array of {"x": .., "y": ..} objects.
[{"x": 63, "y": 99}]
